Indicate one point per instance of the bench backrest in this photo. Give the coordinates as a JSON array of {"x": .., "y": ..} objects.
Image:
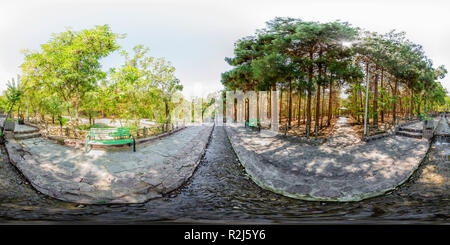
[
  {"x": 109, "y": 133},
  {"x": 253, "y": 121}
]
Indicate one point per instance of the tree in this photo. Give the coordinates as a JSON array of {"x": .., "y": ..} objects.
[
  {"x": 168, "y": 87},
  {"x": 53, "y": 106},
  {"x": 68, "y": 63},
  {"x": 293, "y": 54},
  {"x": 311, "y": 57},
  {"x": 13, "y": 94}
]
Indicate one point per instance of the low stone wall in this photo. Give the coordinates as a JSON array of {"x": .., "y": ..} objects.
[
  {"x": 389, "y": 132},
  {"x": 81, "y": 143}
]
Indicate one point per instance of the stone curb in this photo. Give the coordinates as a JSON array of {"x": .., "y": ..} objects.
[{"x": 357, "y": 198}]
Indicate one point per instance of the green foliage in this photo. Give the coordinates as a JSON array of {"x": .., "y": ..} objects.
[
  {"x": 12, "y": 95},
  {"x": 62, "y": 120},
  {"x": 312, "y": 54},
  {"x": 65, "y": 78},
  {"x": 143, "y": 85},
  {"x": 68, "y": 64}
]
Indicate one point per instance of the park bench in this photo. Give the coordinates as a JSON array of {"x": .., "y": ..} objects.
[
  {"x": 253, "y": 123},
  {"x": 110, "y": 136}
]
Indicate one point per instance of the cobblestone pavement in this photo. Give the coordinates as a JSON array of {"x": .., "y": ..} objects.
[
  {"x": 221, "y": 192},
  {"x": 112, "y": 174},
  {"x": 330, "y": 172}
]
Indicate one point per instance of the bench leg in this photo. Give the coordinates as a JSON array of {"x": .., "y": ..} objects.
[{"x": 134, "y": 146}]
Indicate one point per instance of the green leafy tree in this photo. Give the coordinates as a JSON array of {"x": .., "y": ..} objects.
[
  {"x": 13, "y": 94},
  {"x": 68, "y": 64}
]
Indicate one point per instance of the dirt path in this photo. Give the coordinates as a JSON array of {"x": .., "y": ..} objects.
[{"x": 343, "y": 135}]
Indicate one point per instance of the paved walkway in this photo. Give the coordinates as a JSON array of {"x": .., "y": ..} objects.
[
  {"x": 342, "y": 135},
  {"x": 113, "y": 174},
  {"x": 350, "y": 171}
]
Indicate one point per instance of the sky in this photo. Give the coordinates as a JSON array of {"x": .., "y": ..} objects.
[{"x": 196, "y": 35}]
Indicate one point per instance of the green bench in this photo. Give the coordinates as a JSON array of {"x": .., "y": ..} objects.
[
  {"x": 110, "y": 136},
  {"x": 253, "y": 123}
]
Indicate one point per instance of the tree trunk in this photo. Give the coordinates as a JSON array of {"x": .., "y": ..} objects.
[
  {"x": 269, "y": 103},
  {"x": 375, "y": 96},
  {"x": 330, "y": 104},
  {"x": 394, "y": 115},
  {"x": 304, "y": 113},
  {"x": 299, "y": 108},
  {"x": 235, "y": 111},
  {"x": 382, "y": 97},
  {"x": 308, "y": 111},
  {"x": 166, "y": 103},
  {"x": 401, "y": 109},
  {"x": 60, "y": 126},
  {"x": 323, "y": 101},
  {"x": 355, "y": 103},
  {"x": 317, "y": 109},
  {"x": 418, "y": 106},
  {"x": 290, "y": 104},
  {"x": 361, "y": 106},
  {"x": 412, "y": 103},
  {"x": 257, "y": 106},
  {"x": 316, "y": 124},
  {"x": 281, "y": 106},
  {"x": 308, "y": 105},
  {"x": 77, "y": 116}
]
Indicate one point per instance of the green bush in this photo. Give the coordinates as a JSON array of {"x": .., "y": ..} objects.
[{"x": 62, "y": 121}]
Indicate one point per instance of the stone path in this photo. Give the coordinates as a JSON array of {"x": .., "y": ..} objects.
[
  {"x": 342, "y": 135},
  {"x": 331, "y": 171},
  {"x": 113, "y": 174}
]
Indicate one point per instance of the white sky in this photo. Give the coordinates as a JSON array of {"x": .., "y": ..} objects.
[{"x": 196, "y": 36}]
